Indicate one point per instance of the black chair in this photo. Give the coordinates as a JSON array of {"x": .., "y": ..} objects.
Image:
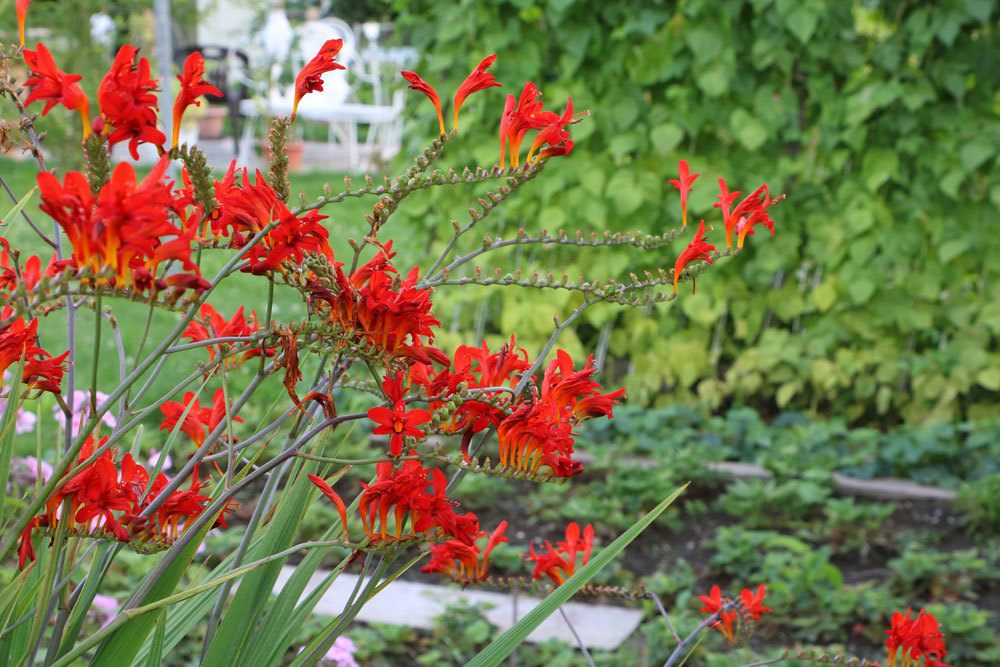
[{"x": 229, "y": 71}]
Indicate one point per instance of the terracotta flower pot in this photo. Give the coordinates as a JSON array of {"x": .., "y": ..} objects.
[{"x": 211, "y": 124}]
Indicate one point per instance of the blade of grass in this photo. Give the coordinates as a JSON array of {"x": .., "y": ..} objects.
[
  {"x": 505, "y": 644},
  {"x": 7, "y": 422}
]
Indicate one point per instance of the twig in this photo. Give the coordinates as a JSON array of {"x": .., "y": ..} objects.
[{"x": 579, "y": 641}]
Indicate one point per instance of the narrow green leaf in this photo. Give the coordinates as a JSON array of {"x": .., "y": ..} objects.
[
  {"x": 98, "y": 568},
  {"x": 155, "y": 657},
  {"x": 122, "y": 646},
  {"x": 504, "y": 645},
  {"x": 254, "y": 593},
  {"x": 7, "y": 422},
  {"x": 18, "y": 207}
]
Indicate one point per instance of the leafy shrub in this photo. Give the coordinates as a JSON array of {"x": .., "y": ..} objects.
[{"x": 880, "y": 117}]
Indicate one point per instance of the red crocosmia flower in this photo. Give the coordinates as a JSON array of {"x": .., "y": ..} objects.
[
  {"x": 725, "y": 200},
  {"x": 377, "y": 309},
  {"x": 403, "y": 492},
  {"x": 178, "y": 511},
  {"x": 753, "y": 211},
  {"x": 478, "y": 79},
  {"x": 41, "y": 370},
  {"x": 397, "y": 422},
  {"x": 714, "y": 603},
  {"x": 289, "y": 242},
  {"x": 478, "y": 368},
  {"x": 310, "y": 79},
  {"x": 560, "y": 562},
  {"x": 918, "y": 641},
  {"x": 126, "y": 230},
  {"x": 213, "y": 325},
  {"x": 418, "y": 84},
  {"x": 31, "y": 271},
  {"x": 555, "y": 136},
  {"x": 21, "y": 9},
  {"x": 47, "y": 82},
  {"x": 697, "y": 249},
  {"x": 245, "y": 207},
  {"x": 751, "y": 604},
  {"x": 128, "y": 104},
  {"x": 506, "y": 120},
  {"x": 540, "y": 431},
  {"x": 519, "y": 119},
  {"x": 683, "y": 183},
  {"x": 105, "y": 500},
  {"x": 193, "y": 86},
  {"x": 200, "y": 421},
  {"x": 465, "y": 563},
  {"x": 328, "y": 491}
]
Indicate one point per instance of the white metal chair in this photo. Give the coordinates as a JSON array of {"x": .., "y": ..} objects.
[{"x": 331, "y": 105}]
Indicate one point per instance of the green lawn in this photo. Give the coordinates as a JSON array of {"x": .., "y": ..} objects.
[{"x": 238, "y": 290}]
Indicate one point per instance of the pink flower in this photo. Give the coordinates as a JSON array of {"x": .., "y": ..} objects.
[
  {"x": 27, "y": 470},
  {"x": 81, "y": 411},
  {"x": 154, "y": 458},
  {"x": 104, "y": 608},
  {"x": 24, "y": 422},
  {"x": 341, "y": 654}
]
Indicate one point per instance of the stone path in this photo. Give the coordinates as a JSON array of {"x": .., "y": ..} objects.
[{"x": 415, "y": 605}]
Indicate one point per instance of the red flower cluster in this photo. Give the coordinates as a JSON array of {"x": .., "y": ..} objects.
[
  {"x": 246, "y": 208},
  {"x": 478, "y": 79},
  {"x": 213, "y": 325},
  {"x": 520, "y": 115},
  {"x": 918, "y": 640},
  {"x": 465, "y": 563},
  {"x": 397, "y": 422},
  {"x": 106, "y": 499},
  {"x": 750, "y": 604},
  {"x": 128, "y": 105},
  {"x": 30, "y": 272},
  {"x": 477, "y": 368},
  {"x": 404, "y": 493},
  {"x": 200, "y": 421},
  {"x": 748, "y": 213},
  {"x": 18, "y": 339},
  {"x": 697, "y": 248},
  {"x": 541, "y": 432},
  {"x": 47, "y": 82},
  {"x": 382, "y": 311},
  {"x": 125, "y": 228},
  {"x": 310, "y": 79},
  {"x": 560, "y": 562},
  {"x": 193, "y": 86}
]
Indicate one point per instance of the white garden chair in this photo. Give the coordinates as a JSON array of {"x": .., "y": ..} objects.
[{"x": 332, "y": 105}]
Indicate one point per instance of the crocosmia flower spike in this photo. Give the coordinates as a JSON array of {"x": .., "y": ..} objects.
[
  {"x": 683, "y": 183},
  {"x": 310, "y": 79},
  {"x": 193, "y": 86},
  {"x": 698, "y": 248}
]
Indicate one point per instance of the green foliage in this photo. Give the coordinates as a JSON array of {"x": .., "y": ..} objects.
[
  {"x": 879, "y": 120},
  {"x": 980, "y": 503}
]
